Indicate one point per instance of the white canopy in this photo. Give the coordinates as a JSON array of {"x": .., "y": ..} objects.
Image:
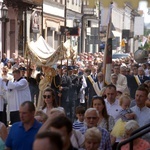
[{"x": 42, "y": 54}]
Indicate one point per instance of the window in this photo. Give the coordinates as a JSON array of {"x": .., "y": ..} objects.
[
  {"x": 50, "y": 37},
  {"x": 56, "y": 37}
]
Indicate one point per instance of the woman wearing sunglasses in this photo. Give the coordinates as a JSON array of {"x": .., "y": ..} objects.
[{"x": 49, "y": 99}]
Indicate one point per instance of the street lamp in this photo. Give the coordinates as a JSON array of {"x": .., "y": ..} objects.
[
  {"x": 77, "y": 22},
  {"x": 4, "y": 12},
  {"x": 4, "y": 19}
]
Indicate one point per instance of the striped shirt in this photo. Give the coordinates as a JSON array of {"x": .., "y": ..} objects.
[{"x": 78, "y": 125}]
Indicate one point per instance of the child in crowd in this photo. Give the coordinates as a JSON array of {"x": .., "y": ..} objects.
[
  {"x": 41, "y": 116},
  {"x": 125, "y": 115},
  {"x": 80, "y": 110}
]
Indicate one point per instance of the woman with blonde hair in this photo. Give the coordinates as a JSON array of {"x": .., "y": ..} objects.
[
  {"x": 92, "y": 138},
  {"x": 139, "y": 143},
  {"x": 125, "y": 115},
  {"x": 41, "y": 116}
]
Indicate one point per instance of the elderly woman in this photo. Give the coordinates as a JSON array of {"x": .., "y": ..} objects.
[
  {"x": 139, "y": 143},
  {"x": 92, "y": 138}
]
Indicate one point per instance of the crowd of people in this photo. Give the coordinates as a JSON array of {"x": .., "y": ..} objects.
[{"x": 70, "y": 107}]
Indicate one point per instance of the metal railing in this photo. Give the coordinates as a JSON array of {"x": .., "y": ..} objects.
[{"x": 136, "y": 134}]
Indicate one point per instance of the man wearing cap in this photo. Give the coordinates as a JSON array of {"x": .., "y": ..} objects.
[
  {"x": 73, "y": 90},
  {"x": 89, "y": 91},
  {"x": 61, "y": 84},
  {"x": 23, "y": 71}
]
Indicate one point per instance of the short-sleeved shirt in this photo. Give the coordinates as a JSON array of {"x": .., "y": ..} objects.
[
  {"x": 142, "y": 115},
  {"x": 113, "y": 109},
  {"x": 20, "y": 139},
  {"x": 105, "y": 143}
]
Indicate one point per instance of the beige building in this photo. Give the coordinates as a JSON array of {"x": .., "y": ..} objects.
[
  {"x": 122, "y": 26},
  {"x": 58, "y": 15},
  {"x": 53, "y": 19}
]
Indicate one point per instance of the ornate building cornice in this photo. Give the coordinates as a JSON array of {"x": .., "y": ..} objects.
[{"x": 22, "y": 4}]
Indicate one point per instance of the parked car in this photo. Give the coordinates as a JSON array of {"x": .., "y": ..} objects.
[{"x": 120, "y": 55}]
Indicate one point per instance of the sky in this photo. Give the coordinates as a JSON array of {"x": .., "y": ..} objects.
[{"x": 143, "y": 6}]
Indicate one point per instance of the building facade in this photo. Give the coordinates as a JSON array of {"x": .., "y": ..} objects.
[
  {"x": 16, "y": 28},
  {"x": 28, "y": 19},
  {"x": 53, "y": 19}
]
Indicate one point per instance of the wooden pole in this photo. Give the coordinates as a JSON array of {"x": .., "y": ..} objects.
[
  {"x": 61, "y": 73},
  {"x": 108, "y": 50}
]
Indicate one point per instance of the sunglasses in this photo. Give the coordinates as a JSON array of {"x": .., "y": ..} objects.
[
  {"x": 96, "y": 96},
  {"x": 93, "y": 118},
  {"x": 46, "y": 96}
]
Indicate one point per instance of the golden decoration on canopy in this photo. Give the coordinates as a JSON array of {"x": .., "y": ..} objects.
[{"x": 120, "y": 3}]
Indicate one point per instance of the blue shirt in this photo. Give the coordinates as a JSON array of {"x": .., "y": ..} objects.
[
  {"x": 142, "y": 115},
  {"x": 142, "y": 118},
  {"x": 105, "y": 141},
  {"x": 20, "y": 139}
]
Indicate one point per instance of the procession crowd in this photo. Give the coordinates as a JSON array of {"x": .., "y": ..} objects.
[{"x": 69, "y": 106}]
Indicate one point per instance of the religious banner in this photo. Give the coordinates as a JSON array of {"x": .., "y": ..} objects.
[
  {"x": 108, "y": 62},
  {"x": 107, "y": 65}
]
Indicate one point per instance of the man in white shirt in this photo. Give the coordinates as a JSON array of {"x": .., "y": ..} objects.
[
  {"x": 112, "y": 104},
  {"x": 17, "y": 93},
  {"x": 2, "y": 101},
  {"x": 122, "y": 80},
  {"x": 141, "y": 111}
]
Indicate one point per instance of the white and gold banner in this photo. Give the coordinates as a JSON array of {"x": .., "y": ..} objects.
[{"x": 43, "y": 54}]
